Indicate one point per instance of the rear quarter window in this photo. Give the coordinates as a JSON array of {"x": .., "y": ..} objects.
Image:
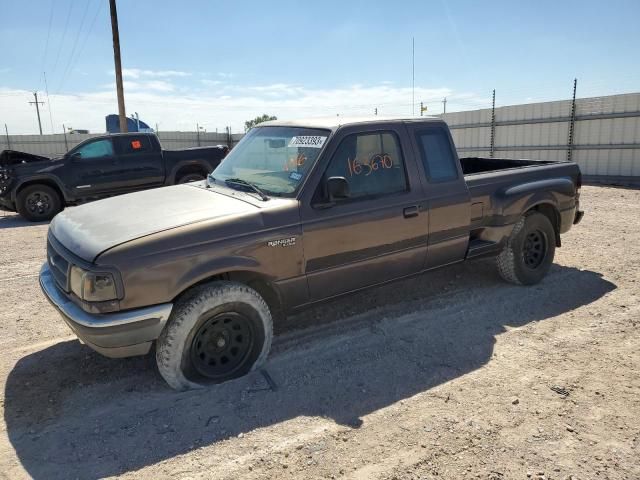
[{"x": 437, "y": 155}]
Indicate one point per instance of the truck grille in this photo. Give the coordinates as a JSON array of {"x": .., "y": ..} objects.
[{"x": 59, "y": 266}]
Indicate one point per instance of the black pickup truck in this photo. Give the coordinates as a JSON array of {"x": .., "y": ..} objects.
[
  {"x": 297, "y": 213},
  {"x": 39, "y": 187}
]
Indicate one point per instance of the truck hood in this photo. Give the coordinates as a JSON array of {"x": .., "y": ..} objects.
[
  {"x": 13, "y": 157},
  {"x": 89, "y": 230}
]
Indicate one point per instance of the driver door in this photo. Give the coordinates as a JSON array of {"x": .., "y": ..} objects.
[
  {"x": 380, "y": 231},
  {"x": 95, "y": 167}
]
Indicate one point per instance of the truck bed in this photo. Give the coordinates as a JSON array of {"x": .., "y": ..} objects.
[
  {"x": 474, "y": 165},
  {"x": 491, "y": 183}
]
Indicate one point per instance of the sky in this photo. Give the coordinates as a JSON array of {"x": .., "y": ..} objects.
[{"x": 217, "y": 64}]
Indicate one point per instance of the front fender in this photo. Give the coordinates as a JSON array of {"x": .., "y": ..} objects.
[
  {"x": 217, "y": 267},
  {"x": 44, "y": 178}
]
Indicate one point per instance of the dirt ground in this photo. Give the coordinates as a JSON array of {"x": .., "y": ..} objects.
[{"x": 450, "y": 375}]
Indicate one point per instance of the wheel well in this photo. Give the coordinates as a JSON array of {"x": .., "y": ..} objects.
[
  {"x": 254, "y": 280},
  {"x": 48, "y": 183},
  {"x": 190, "y": 169},
  {"x": 552, "y": 214}
]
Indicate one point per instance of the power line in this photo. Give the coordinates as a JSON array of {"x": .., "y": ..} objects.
[
  {"x": 64, "y": 34},
  {"x": 46, "y": 89},
  {"x": 46, "y": 44},
  {"x": 88, "y": 34},
  {"x": 75, "y": 44}
]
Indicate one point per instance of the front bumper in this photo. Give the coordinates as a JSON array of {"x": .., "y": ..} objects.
[
  {"x": 115, "y": 335},
  {"x": 6, "y": 204}
]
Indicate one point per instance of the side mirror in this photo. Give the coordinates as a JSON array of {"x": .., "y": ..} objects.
[
  {"x": 75, "y": 156},
  {"x": 337, "y": 187}
]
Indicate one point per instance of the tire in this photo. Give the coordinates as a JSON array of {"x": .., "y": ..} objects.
[
  {"x": 210, "y": 323},
  {"x": 529, "y": 251},
  {"x": 38, "y": 203},
  {"x": 190, "y": 177}
]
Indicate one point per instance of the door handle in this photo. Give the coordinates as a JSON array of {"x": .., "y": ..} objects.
[{"x": 412, "y": 211}]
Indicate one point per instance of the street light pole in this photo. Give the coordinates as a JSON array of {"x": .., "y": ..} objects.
[{"x": 118, "y": 64}]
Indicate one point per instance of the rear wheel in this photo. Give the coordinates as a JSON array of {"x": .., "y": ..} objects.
[
  {"x": 191, "y": 177},
  {"x": 216, "y": 332},
  {"x": 38, "y": 203},
  {"x": 529, "y": 252}
]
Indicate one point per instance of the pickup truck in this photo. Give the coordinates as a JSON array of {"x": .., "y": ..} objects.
[
  {"x": 297, "y": 213},
  {"x": 39, "y": 187}
]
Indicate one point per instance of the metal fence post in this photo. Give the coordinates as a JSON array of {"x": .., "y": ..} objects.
[
  {"x": 493, "y": 123},
  {"x": 572, "y": 122}
]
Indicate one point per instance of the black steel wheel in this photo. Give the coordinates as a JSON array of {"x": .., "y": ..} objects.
[
  {"x": 38, "y": 203},
  {"x": 534, "y": 249},
  {"x": 222, "y": 344},
  {"x": 529, "y": 250},
  {"x": 217, "y": 332}
]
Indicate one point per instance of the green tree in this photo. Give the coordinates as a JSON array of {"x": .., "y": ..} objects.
[{"x": 249, "y": 124}]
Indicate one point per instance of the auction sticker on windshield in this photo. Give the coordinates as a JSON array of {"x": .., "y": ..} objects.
[{"x": 313, "y": 141}]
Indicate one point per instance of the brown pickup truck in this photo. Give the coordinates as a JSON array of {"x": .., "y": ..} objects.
[{"x": 298, "y": 213}]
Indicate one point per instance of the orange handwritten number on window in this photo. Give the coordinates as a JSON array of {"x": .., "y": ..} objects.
[
  {"x": 377, "y": 162},
  {"x": 136, "y": 144}
]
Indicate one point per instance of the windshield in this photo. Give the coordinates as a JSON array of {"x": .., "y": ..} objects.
[{"x": 274, "y": 159}]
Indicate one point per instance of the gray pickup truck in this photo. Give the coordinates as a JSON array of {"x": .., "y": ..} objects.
[{"x": 298, "y": 213}]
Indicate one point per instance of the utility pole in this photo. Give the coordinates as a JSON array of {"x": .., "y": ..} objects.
[
  {"x": 64, "y": 131},
  {"x": 118, "y": 64},
  {"x": 444, "y": 105},
  {"x": 375, "y": 111},
  {"x": 6, "y": 131},
  {"x": 37, "y": 104},
  {"x": 421, "y": 109}
]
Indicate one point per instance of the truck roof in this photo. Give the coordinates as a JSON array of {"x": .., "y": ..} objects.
[{"x": 334, "y": 123}]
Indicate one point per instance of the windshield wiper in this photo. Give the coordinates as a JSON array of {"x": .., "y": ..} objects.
[{"x": 244, "y": 183}]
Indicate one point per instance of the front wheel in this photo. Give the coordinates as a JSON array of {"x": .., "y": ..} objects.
[
  {"x": 38, "y": 203},
  {"x": 529, "y": 251},
  {"x": 216, "y": 332}
]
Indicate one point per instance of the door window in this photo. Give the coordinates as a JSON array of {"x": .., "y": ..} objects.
[
  {"x": 437, "y": 155},
  {"x": 371, "y": 163},
  {"x": 130, "y": 145},
  {"x": 97, "y": 149}
]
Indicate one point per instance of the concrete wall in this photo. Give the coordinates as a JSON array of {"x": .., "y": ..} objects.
[{"x": 606, "y": 141}]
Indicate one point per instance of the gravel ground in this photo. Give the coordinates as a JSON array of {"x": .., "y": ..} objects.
[{"x": 453, "y": 374}]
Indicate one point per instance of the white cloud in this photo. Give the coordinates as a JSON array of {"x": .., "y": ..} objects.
[
  {"x": 139, "y": 73},
  {"x": 211, "y": 83},
  {"x": 159, "y": 102}
]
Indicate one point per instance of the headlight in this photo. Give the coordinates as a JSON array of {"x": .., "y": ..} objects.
[{"x": 92, "y": 286}]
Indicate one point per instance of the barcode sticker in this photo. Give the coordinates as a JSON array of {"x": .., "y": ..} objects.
[{"x": 312, "y": 141}]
